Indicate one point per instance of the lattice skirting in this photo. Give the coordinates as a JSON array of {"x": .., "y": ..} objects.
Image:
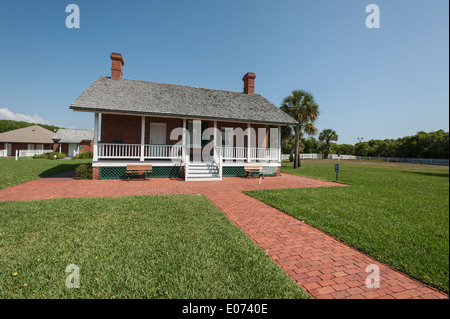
[
  {"x": 157, "y": 172},
  {"x": 238, "y": 171}
]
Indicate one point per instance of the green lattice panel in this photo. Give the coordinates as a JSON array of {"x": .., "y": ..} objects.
[
  {"x": 157, "y": 172},
  {"x": 238, "y": 171}
]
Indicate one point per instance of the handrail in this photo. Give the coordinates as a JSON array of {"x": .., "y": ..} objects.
[
  {"x": 218, "y": 159},
  {"x": 242, "y": 153},
  {"x": 118, "y": 150}
]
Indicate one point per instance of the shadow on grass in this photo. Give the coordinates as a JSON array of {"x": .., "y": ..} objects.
[
  {"x": 62, "y": 168},
  {"x": 429, "y": 174}
]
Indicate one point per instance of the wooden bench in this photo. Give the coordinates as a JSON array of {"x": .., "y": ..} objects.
[
  {"x": 249, "y": 169},
  {"x": 138, "y": 169}
]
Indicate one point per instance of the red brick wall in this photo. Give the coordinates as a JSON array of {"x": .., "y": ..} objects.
[
  {"x": 96, "y": 173},
  {"x": 124, "y": 128},
  {"x": 85, "y": 147},
  {"x": 244, "y": 126},
  {"x": 17, "y": 147},
  {"x": 127, "y": 128}
]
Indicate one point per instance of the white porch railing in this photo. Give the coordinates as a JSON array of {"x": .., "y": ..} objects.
[
  {"x": 133, "y": 151},
  {"x": 234, "y": 153},
  {"x": 113, "y": 150},
  {"x": 31, "y": 153},
  {"x": 256, "y": 153},
  {"x": 262, "y": 153},
  {"x": 3, "y": 153},
  {"x": 163, "y": 151}
]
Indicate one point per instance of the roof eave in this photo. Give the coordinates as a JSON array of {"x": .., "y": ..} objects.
[{"x": 99, "y": 110}]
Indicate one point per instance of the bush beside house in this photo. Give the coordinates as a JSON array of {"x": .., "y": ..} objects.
[
  {"x": 83, "y": 171},
  {"x": 51, "y": 156},
  {"x": 85, "y": 155}
]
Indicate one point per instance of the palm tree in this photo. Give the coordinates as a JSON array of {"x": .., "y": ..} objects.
[
  {"x": 326, "y": 136},
  {"x": 303, "y": 108}
]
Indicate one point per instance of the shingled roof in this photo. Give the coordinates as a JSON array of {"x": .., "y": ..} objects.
[
  {"x": 30, "y": 134},
  {"x": 140, "y": 97},
  {"x": 73, "y": 136}
]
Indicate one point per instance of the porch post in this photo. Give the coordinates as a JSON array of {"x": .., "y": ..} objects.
[
  {"x": 248, "y": 142},
  {"x": 215, "y": 134},
  {"x": 95, "y": 157},
  {"x": 279, "y": 143},
  {"x": 142, "y": 137},
  {"x": 183, "y": 140}
]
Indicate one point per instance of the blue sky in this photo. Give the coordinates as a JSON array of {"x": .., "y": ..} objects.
[{"x": 372, "y": 83}]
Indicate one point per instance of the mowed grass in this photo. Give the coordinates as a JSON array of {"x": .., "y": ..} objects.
[
  {"x": 25, "y": 169},
  {"x": 398, "y": 214},
  {"x": 162, "y": 246}
]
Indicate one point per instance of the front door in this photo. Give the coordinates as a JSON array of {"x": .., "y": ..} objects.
[
  {"x": 72, "y": 150},
  {"x": 8, "y": 150},
  {"x": 158, "y": 133}
]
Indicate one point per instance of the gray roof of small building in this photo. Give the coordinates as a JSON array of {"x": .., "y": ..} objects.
[
  {"x": 30, "y": 134},
  {"x": 73, "y": 136},
  {"x": 140, "y": 97}
]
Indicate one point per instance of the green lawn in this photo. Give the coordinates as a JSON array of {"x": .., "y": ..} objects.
[
  {"x": 14, "y": 172},
  {"x": 164, "y": 246},
  {"x": 398, "y": 214}
]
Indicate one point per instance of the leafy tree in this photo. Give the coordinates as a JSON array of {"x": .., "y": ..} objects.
[
  {"x": 311, "y": 145},
  {"x": 421, "y": 145},
  {"x": 326, "y": 137},
  {"x": 303, "y": 108},
  {"x": 343, "y": 149}
]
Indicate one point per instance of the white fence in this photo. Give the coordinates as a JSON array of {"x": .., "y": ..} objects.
[
  {"x": 3, "y": 153},
  {"x": 303, "y": 156},
  {"x": 428, "y": 161},
  {"x": 31, "y": 153},
  {"x": 342, "y": 157}
]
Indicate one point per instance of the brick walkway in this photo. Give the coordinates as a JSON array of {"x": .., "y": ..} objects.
[{"x": 322, "y": 265}]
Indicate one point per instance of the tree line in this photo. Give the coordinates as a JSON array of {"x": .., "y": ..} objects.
[
  {"x": 302, "y": 106},
  {"x": 9, "y": 125},
  {"x": 422, "y": 145}
]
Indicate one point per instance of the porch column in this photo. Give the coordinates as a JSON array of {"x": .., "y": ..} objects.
[
  {"x": 248, "y": 142},
  {"x": 95, "y": 157},
  {"x": 279, "y": 143},
  {"x": 215, "y": 134},
  {"x": 184, "y": 133},
  {"x": 142, "y": 137}
]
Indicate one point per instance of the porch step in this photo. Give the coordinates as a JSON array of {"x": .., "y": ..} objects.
[{"x": 203, "y": 172}]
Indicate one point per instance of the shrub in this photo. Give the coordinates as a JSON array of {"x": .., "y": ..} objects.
[
  {"x": 50, "y": 156},
  {"x": 83, "y": 171},
  {"x": 58, "y": 155},
  {"x": 291, "y": 157},
  {"x": 42, "y": 156},
  {"x": 84, "y": 155}
]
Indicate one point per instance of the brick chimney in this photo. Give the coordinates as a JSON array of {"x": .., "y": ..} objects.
[
  {"x": 117, "y": 63},
  {"x": 249, "y": 83}
]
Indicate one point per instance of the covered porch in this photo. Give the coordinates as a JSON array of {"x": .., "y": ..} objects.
[
  {"x": 194, "y": 145},
  {"x": 150, "y": 138}
]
